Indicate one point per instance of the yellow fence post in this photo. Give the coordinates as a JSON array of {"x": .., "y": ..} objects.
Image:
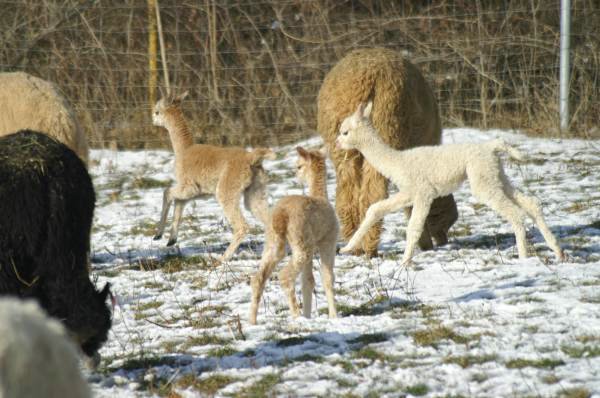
[{"x": 152, "y": 54}]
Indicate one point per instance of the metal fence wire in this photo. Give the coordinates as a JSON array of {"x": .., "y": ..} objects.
[{"x": 254, "y": 67}]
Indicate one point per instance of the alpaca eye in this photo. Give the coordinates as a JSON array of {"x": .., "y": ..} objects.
[{"x": 345, "y": 133}]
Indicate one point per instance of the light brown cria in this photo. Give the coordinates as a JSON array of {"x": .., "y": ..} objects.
[
  {"x": 227, "y": 173},
  {"x": 309, "y": 225}
]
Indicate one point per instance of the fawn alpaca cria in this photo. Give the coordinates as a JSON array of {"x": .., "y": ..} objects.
[
  {"x": 308, "y": 224},
  {"x": 227, "y": 173},
  {"x": 425, "y": 173}
]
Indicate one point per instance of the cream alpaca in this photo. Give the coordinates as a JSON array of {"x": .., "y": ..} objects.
[
  {"x": 37, "y": 359},
  {"x": 425, "y": 173},
  {"x": 227, "y": 173},
  {"x": 308, "y": 224}
]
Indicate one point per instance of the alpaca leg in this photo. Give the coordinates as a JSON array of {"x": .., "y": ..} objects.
[
  {"x": 533, "y": 208},
  {"x": 442, "y": 216},
  {"x": 166, "y": 205},
  {"x": 255, "y": 198},
  {"x": 308, "y": 286},
  {"x": 273, "y": 253},
  {"x": 327, "y": 252},
  {"x": 373, "y": 189},
  {"x": 240, "y": 228},
  {"x": 421, "y": 206},
  {"x": 503, "y": 205},
  {"x": 289, "y": 274},
  {"x": 179, "y": 205},
  {"x": 425, "y": 242},
  {"x": 375, "y": 213},
  {"x": 228, "y": 193}
]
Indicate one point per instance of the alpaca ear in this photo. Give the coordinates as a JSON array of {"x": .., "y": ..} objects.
[
  {"x": 366, "y": 112},
  {"x": 324, "y": 150},
  {"x": 180, "y": 97},
  {"x": 105, "y": 292},
  {"x": 302, "y": 152},
  {"x": 360, "y": 109}
]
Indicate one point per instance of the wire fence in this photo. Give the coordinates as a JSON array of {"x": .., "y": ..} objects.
[{"x": 254, "y": 68}]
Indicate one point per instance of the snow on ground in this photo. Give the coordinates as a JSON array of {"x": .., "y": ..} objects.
[{"x": 468, "y": 319}]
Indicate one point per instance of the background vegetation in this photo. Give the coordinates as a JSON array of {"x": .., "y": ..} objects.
[{"x": 254, "y": 67}]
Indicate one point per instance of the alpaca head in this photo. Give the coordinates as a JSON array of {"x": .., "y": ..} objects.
[
  {"x": 164, "y": 106},
  {"x": 356, "y": 129},
  {"x": 310, "y": 164},
  {"x": 90, "y": 328}
]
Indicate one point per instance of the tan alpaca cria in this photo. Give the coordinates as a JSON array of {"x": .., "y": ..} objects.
[
  {"x": 425, "y": 173},
  {"x": 227, "y": 173},
  {"x": 407, "y": 116},
  {"x": 308, "y": 224}
]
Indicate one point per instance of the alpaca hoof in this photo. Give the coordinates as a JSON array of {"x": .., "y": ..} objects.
[
  {"x": 346, "y": 249},
  {"x": 373, "y": 253},
  {"x": 171, "y": 242},
  {"x": 157, "y": 237}
]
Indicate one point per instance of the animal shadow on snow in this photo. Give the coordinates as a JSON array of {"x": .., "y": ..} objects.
[
  {"x": 314, "y": 347},
  {"x": 488, "y": 293},
  {"x": 503, "y": 241}
]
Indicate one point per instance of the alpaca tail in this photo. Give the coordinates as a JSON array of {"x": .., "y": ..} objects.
[
  {"x": 277, "y": 227},
  {"x": 259, "y": 154},
  {"x": 500, "y": 145}
]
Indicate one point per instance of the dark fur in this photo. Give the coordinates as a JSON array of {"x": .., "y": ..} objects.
[{"x": 46, "y": 209}]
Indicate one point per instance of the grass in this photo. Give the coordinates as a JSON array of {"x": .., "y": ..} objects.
[
  {"x": 221, "y": 352},
  {"x": 371, "y": 354},
  {"x": 575, "y": 392},
  {"x": 590, "y": 299},
  {"x": 174, "y": 263},
  {"x": 369, "y": 338},
  {"x": 581, "y": 351},
  {"x": 417, "y": 390},
  {"x": 202, "y": 340},
  {"x": 146, "y": 362},
  {"x": 207, "y": 386},
  {"x": 545, "y": 363},
  {"x": 466, "y": 361},
  {"x": 141, "y": 308},
  {"x": 261, "y": 388},
  {"x": 145, "y": 228},
  {"x": 434, "y": 335},
  {"x": 148, "y": 183}
]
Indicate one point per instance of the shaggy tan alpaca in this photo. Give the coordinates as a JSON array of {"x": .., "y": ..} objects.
[
  {"x": 308, "y": 224},
  {"x": 406, "y": 115},
  {"x": 227, "y": 173},
  {"x": 28, "y": 102}
]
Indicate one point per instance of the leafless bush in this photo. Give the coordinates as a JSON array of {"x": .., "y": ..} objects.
[{"x": 255, "y": 66}]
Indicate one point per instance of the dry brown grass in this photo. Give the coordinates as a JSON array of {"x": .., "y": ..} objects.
[{"x": 254, "y": 67}]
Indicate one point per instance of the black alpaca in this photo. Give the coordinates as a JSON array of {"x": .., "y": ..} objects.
[{"x": 46, "y": 209}]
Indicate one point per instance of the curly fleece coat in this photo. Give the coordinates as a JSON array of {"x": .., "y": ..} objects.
[{"x": 405, "y": 114}]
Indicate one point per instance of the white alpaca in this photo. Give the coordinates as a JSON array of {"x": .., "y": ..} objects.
[
  {"x": 36, "y": 357},
  {"x": 425, "y": 173}
]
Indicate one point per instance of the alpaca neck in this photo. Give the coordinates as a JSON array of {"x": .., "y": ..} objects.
[
  {"x": 381, "y": 156},
  {"x": 179, "y": 132},
  {"x": 318, "y": 185}
]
